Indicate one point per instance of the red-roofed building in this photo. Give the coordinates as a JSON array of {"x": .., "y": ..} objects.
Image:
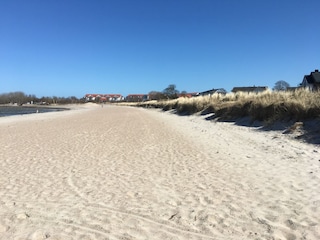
[{"x": 103, "y": 97}]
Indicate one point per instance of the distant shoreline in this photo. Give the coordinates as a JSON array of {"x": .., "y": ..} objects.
[{"x": 7, "y": 110}]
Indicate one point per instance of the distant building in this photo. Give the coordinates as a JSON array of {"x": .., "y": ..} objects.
[
  {"x": 104, "y": 97},
  {"x": 292, "y": 89},
  {"x": 212, "y": 91},
  {"x": 137, "y": 97},
  {"x": 114, "y": 97},
  {"x": 253, "y": 89},
  {"x": 312, "y": 81},
  {"x": 187, "y": 95}
]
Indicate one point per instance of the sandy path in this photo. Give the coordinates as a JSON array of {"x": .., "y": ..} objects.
[{"x": 129, "y": 173}]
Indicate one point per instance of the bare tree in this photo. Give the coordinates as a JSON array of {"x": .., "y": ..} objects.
[
  {"x": 171, "y": 92},
  {"x": 281, "y": 86}
]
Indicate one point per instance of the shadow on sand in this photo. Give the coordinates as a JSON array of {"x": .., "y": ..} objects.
[{"x": 307, "y": 130}]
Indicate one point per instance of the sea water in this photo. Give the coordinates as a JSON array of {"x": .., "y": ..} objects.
[{"x": 19, "y": 110}]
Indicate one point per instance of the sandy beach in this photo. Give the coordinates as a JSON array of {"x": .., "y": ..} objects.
[{"x": 131, "y": 173}]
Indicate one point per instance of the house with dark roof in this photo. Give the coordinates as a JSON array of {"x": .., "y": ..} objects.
[
  {"x": 212, "y": 91},
  {"x": 312, "y": 81},
  {"x": 137, "y": 97},
  {"x": 253, "y": 89}
]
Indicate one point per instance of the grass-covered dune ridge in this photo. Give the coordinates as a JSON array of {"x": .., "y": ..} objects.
[{"x": 267, "y": 106}]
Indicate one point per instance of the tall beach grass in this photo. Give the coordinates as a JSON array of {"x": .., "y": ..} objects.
[{"x": 268, "y": 106}]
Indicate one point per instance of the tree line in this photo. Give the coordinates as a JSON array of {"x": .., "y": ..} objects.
[
  {"x": 169, "y": 92},
  {"x": 22, "y": 98}
]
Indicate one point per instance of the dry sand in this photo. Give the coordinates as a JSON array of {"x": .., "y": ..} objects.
[{"x": 131, "y": 173}]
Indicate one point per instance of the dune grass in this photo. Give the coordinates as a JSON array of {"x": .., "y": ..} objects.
[{"x": 267, "y": 106}]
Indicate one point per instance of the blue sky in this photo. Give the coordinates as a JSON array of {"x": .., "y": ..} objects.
[{"x": 73, "y": 47}]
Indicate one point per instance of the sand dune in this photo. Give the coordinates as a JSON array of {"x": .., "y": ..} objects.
[{"x": 130, "y": 173}]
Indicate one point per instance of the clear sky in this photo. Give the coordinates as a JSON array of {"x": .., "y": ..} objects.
[{"x": 73, "y": 47}]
